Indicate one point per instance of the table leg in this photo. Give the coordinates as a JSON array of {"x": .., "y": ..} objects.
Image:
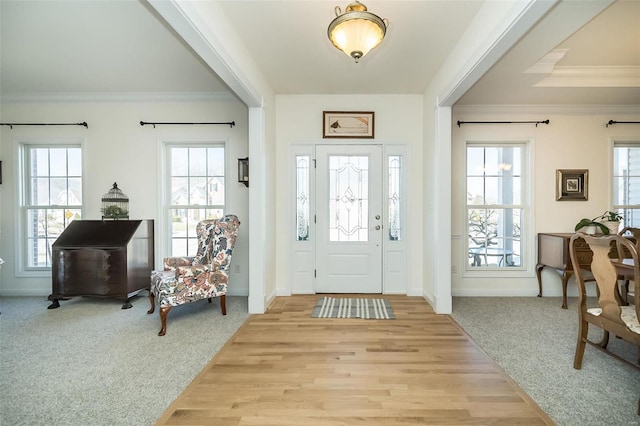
[
  {"x": 539, "y": 274},
  {"x": 565, "y": 280}
]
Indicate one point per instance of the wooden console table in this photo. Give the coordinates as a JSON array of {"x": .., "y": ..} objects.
[
  {"x": 553, "y": 251},
  {"x": 102, "y": 258}
]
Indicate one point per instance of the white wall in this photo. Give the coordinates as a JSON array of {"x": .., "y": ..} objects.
[
  {"x": 495, "y": 29},
  {"x": 118, "y": 149},
  {"x": 576, "y": 138},
  {"x": 398, "y": 120},
  {"x": 205, "y": 27}
]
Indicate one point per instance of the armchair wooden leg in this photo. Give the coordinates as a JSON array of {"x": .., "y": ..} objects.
[
  {"x": 152, "y": 299},
  {"x": 164, "y": 310},
  {"x": 223, "y": 304}
]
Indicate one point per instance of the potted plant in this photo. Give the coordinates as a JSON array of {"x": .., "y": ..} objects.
[
  {"x": 608, "y": 223},
  {"x": 611, "y": 220}
]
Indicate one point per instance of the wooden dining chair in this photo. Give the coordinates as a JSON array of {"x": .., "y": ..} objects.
[
  {"x": 612, "y": 314},
  {"x": 628, "y": 294}
]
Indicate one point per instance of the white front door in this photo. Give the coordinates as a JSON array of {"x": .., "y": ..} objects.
[{"x": 349, "y": 219}]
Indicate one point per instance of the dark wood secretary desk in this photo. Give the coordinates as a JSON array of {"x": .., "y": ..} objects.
[
  {"x": 102, "y": 258},
  {"x": 553, "y": 251}
]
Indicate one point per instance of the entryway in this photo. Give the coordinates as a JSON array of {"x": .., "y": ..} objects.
[{"x": 349, "y": 218}]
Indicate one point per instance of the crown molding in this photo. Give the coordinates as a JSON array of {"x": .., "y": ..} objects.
[
  {"x": 547, "y": 63},
  {"x": 548, "y": 109},
  {"x": 582, "y": 76},
  {"x": 592, "y": 76},
  {"x": 116, "y": 97}
]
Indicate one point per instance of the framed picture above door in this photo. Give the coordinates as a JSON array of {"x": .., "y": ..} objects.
[{"x": 351, "y": 125}]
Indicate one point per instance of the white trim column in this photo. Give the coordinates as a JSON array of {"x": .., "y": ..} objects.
[
  {"x": 441, "y": 229},
  {"x": 257, "y": 212}
]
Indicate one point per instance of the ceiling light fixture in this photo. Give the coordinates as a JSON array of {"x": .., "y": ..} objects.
[{"x": 356, "y": 31}]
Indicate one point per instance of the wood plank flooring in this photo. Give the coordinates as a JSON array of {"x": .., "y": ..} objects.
[{"x": 285, "y": 368}]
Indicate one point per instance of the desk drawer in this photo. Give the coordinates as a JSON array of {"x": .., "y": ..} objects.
[{"x": 584, "y": 258}]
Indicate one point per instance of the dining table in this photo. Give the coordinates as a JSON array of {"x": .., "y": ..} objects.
[{"x": 625, "y": 268}]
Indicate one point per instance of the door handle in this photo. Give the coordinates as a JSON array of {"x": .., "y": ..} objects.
[
  {"x": 377, "y": 227},
  {"x": 377, "y": 217}
]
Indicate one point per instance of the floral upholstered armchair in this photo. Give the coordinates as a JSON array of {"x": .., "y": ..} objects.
[{"x": 203, "y": 276}]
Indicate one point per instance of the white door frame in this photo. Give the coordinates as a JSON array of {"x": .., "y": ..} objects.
[{"x": 397, "y": 259}]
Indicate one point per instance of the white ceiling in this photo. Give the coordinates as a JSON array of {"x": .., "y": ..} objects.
[
  {"x": 93, "y": 47},
  {"x": 608, "y": 43}
]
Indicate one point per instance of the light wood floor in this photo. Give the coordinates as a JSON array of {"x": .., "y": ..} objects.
[{"x": 285, "y": 368}]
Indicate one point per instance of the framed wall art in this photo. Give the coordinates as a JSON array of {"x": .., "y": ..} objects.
[
  {"x": 348, "y": 124},
  {"x": 572, "y": 184}
]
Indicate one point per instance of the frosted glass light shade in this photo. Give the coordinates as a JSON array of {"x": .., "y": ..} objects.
[{"x": 356, "y": 31}]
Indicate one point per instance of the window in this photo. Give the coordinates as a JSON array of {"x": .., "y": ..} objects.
[
  {"x": 302, "y": 197},
  {"x": 495, "y": 209},
  {"x": 395, "y": 199},
  {"x": 348, "y": 198},
  {"x": 52, "y": 183},
  {"x": 196, "y": 192},
  {"x": 626, "y": 181}
]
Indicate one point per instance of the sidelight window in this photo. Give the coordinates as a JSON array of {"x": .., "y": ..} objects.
[
  {"x": 395, "y": 198},
  {"x": 303, "y": 198}
]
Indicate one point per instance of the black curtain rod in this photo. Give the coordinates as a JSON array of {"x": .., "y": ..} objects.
[
  {"x": 228, "y": 123},
  {"x": 84, "y": 123},
  {"x": 503, "y": 122},
  {"x": 622, "y": 122}
]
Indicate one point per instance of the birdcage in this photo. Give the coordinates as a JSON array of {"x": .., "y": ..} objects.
[{"x": 115, "y": 204}]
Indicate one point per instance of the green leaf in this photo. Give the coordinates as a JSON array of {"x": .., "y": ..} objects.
[
  {"x": 583, "y": 222},
  {"x": 588, "y": 222},
  {"x": 603, "y": 228}
]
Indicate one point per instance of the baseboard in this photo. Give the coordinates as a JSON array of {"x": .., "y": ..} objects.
[
  {"x": 240, "y": 293},
  {"x": 24, "y": 293},
  {"x": 268, "y": 298},
  {"x": 440, "y": 305},
  {"x": 37, "y": 292},
  {"x": 498, "y": 292},
  {"x": 415, "y": 292}
]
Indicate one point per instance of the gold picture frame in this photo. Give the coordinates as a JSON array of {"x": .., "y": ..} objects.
[
  {"x": 572, "y": 185},
  {"x": 348, "y": 124}
]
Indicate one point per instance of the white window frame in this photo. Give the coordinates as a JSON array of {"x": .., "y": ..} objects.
[
  {"x": 527, "y": 233},
  {"x": 166, "y": 206},
  {"x": 21, "y": 210},
  {"x": 621, "y": 143}
]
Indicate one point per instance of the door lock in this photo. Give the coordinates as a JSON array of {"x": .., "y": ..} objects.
[
  {"x": 378, "y": 217},
  {"x": 377, "y": 227}
]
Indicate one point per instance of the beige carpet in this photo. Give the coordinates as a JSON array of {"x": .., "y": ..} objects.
[
  {"x": 91, "y": 363},
  {"x": 534, "y": 341}
]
